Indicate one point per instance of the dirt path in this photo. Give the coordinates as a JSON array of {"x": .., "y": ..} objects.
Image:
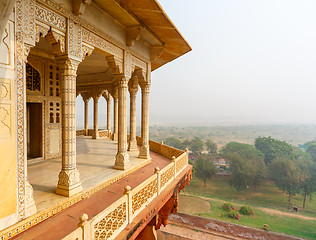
[{"x": 267, "y": 210}]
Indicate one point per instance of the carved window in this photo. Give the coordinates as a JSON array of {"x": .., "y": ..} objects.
[
  {"x": 33, "y": 79},
  {"x": 54, "y": 81}
]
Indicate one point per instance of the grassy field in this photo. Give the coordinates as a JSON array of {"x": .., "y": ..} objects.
[{"x": 269, "y": 204}]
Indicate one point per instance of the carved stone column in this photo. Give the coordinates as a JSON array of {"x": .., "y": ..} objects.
[
  {"x": 132, "y": 145},
  {"x": 86, "y": 99},
  {"x": 115, "y": 129},
  {"x": 108, "y": 99},
  {"x": 122, "y": 158},
  {"x": 144, "y": 149},
  {"x": 95, "y": 116},
  {"x": 108, "y": 115},
  {"x": 69, "y": 182}
]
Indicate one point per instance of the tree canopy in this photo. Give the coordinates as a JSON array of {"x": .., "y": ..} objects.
[
  {"x": 205, "y": 168},
  {"x": 247, "y": 165},
  {"x": 271, "y": 148}
]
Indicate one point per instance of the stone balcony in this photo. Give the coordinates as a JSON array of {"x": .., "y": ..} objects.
[{"x": 117, "y": 203}]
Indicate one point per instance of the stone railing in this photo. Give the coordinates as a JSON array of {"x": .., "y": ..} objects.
[
  {"x": 161, "y": 148},
  {"x": 124, "y": 210},
  {"x": 102, "y": 133},
  {"x": 80, "y": 132}
]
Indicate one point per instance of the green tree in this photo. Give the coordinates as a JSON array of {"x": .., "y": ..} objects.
[
  {"x": 174, "y": 142},
  {"x": 286, "y": 175},
  {"x": 193, "y": 167},
  {"x": 211, "y": 146},
  {"x": 271, "y": 148},
  {"x": 196, "y": 145},
  {"x": 311, "y": 150},
  {"x": 307, "y": 176},
  {"x": 205, "y": 169},
  {"x": 247, "y": 165}
]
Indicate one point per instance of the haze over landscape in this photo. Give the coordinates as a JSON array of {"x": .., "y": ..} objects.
[{"x": 253, "y": 62}]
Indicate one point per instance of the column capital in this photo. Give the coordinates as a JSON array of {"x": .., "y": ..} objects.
[
  {"x": 145, "y": 87},
  {"x": 96, "y": 94},
  {"x": 107, "y": 96},
  {"x": 69, "y": 64},
  {"x": 121, "y": 81},
  {"x": 85, "y": 96}
]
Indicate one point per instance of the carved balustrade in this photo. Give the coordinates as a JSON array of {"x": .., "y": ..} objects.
[{"x": 112, "y": 220}]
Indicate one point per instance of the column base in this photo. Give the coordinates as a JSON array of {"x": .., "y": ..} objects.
[
  {"x": 132, "y": 146},
  {"x": 69, "y": 183},
  {"x": 30, "y": 206},
  {"x": 144, "y": 152},
  {"x": 114, "y": 137},
  {"x": 86, "y": 132},
  {"x": 122, "y": 161},
  {"x": 95, "y": 135}
]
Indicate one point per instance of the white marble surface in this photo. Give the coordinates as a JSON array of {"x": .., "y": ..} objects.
[{"x": 95, "y": 160}]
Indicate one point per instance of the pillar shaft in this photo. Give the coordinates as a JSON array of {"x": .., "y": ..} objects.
[
  {"x": 69, "y": 181},
  {"x": 132, "y": 146},
  {"x": 95, "y": 117},
  {"x": 86, "y": 121},
  {"x": 144, "y": 150},
  {"x": 115, "y": 130},
  {"x": 122, "y": 158},
  {"x": 108, "y": 123}
]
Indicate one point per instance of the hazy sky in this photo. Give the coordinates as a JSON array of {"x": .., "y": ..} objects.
[{"x": 253, "y": 61}]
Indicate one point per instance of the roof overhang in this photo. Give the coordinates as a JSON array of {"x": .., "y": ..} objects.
[{"x": 146, "y": 21}]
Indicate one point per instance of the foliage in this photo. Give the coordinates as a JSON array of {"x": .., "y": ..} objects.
[
  {"x": 246, "y": 210},
  {"x": 193, "y": 167},
  {"x": 196, "y": 145},
  {"x": 307, "y": 176},
  {"x": 271, "y": 148},
  {"x": 247, "y": 165},
  {"x": 234, "y": 214},
  {"x": 311, "y": 150},
  {"x": 286, "y": 176},
  {"x": 228, "y": 206},
  {"x": 174, "y": 142},
  {"x": 211, "y": 146},
  {"x": 205, "y": 168}
]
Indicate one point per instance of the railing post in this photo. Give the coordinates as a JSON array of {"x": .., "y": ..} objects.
[
  {"x": 127, "y": 192},
  {"x": 174, "y": 164},
  {"x": 85, "y": 225},
  {"x": 187, "y": 152},
  {"x": 157, "y": 171}
]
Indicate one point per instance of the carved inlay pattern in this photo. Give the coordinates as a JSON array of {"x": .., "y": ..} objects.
[
  {"x": 29, "y": 19},
  {"x": 75, "y": 39},
  {"x": 110, "y": 223},
  {"x": 68, "y": 177},
  {"x": 86, "y": 51},
  {"x": 51, "y": 18},
  {"x": 96, "y": 41},
  {"x": 5, "y": 120},
  {"x": 5, "y": 91},
  {"x": 166, "y": 176},
  {"x": 139, "y": 63},
  {"x": 180, "y": 164},
  {"x": 20, "y": 107},
  {"x": 41, "y": 31},
  {"x": 140, "y": 198}
]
